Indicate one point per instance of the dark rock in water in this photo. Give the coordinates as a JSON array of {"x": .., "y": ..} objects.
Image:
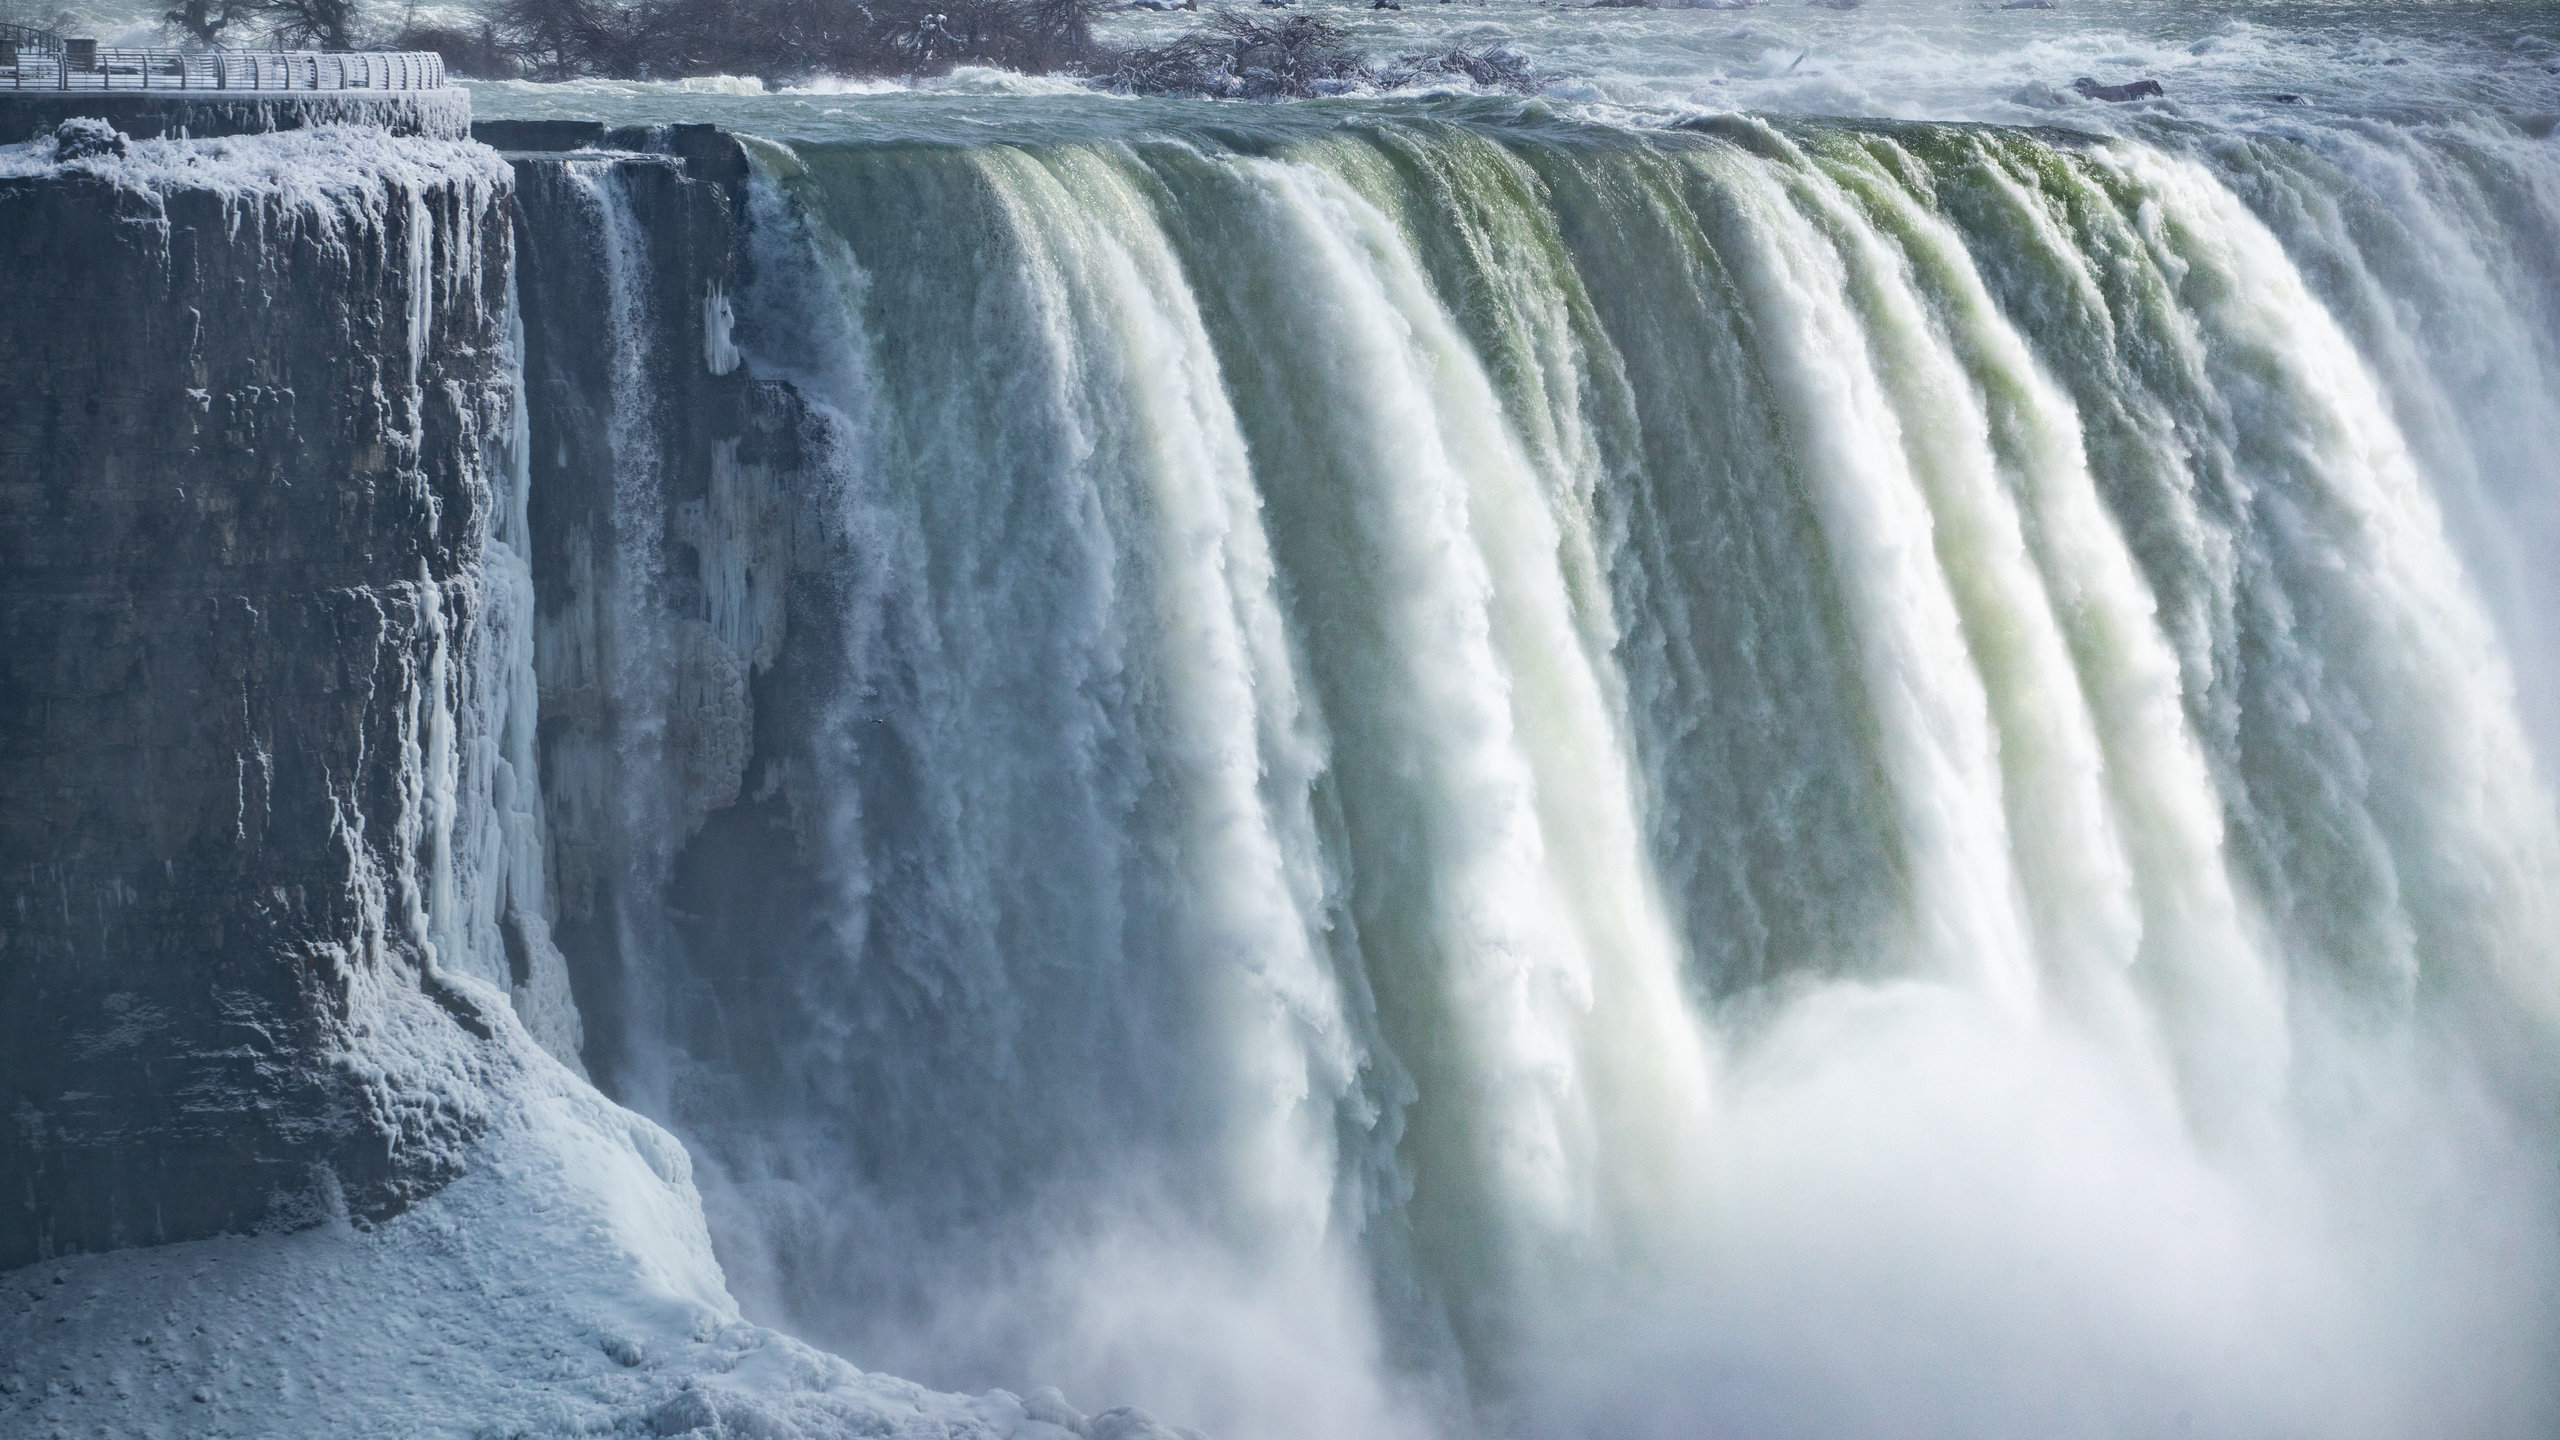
[
  {"x": 1497, "y": 68},
  {"x": 1233, "y": 57},
  {"x": 2028, "y": 5},
  {"x": 85, "y": 137},
  {"x": 1384, "y": 5},
  {"x": 2287, "y": 98},
  {"x": 2138, "y": 90},
  {"x": 710, "y": 154}
]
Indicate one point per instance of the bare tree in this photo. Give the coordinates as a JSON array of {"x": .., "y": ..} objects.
[
  {"x": 319, "y": 24},
  {"x": 780, "y": 39},
  {"x": 558, "y": 39},
  {"x": 207, "y": 19}
]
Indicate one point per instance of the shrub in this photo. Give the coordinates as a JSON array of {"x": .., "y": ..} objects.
[
  {"x": 785, "y": 39},
  {"x": 1240, "y": 57}
]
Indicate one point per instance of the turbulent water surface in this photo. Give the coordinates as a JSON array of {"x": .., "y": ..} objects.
[{"x": 1591, "y": 765}]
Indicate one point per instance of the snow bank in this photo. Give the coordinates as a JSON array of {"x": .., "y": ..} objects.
[
  {"x": 334, "y": 162},
  {"x": 564, "y": 1286}
]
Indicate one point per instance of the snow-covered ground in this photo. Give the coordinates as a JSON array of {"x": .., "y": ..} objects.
[{"x": 565, "y": 1286}]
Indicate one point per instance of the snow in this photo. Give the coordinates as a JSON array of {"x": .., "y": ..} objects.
[
  {"x": 326, "y": 162},
  {"x": 719, "y": 347},
  {"x": 564, "y": 1286}
]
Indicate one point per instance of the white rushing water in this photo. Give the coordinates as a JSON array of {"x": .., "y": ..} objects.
[{"x": 1450, "y": 768}]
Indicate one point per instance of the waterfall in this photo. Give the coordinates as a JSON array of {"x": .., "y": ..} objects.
[{"x": 1472, "y": 779}]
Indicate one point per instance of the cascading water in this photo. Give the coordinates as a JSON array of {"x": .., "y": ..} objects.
[{"x": 1780, "y": 778}]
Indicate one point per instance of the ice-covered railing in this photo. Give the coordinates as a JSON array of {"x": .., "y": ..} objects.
[
  {"x": 81, "y": 65},
  {"x": 27, "y": 40}
]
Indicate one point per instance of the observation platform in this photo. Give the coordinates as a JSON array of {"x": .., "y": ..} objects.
[{"x": 151, "y": 94}]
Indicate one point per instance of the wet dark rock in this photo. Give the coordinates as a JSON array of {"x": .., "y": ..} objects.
[
  {"x": 1236, "y": 57},
  {"x": 2137, "y": 90},
  {"x": 1497, "y": 67},
  {"x": 709, "y": 423},
  {"x": 538, "y": 134}
]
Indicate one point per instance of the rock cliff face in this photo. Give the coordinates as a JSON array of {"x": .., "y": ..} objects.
[
  {"x": 252, "y": 395},
  {"x": 662, "y": 533},
  {"x": 275, "y": 940}
]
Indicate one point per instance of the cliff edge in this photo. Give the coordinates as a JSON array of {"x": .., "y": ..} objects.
[{"x": 250, "y": 391}]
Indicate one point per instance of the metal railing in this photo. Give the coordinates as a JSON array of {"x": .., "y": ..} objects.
[
  {"x": 79, "y": 68},
  {"x": 28, "y": 40}
]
